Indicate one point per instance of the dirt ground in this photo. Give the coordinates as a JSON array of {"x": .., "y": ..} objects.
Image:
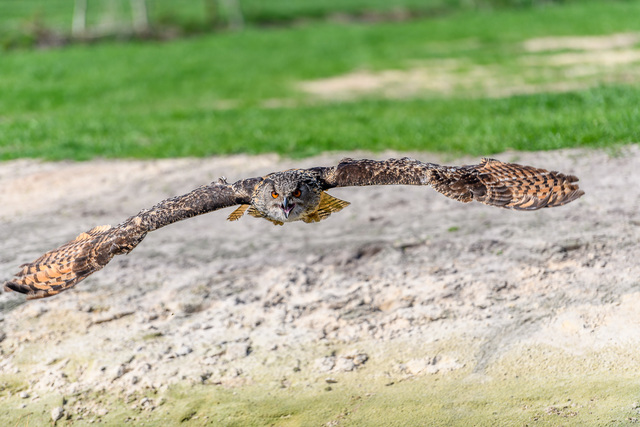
[{"x": 442, "y": 311}]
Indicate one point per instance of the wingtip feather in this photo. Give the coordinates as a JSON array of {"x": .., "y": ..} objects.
[{"x": 10, "y": 286}]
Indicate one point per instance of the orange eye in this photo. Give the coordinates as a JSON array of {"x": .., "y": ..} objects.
[
  {"x": 296, "y": 193},
  {"x": 274, "y": 194}
]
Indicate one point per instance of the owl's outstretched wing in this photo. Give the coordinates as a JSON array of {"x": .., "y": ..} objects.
[
  {"x": 506, "y": 185},
  {"x": 64, "y": 267}
]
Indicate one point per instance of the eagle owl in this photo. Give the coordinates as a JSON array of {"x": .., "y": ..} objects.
[{"x": 294, "y": 195}]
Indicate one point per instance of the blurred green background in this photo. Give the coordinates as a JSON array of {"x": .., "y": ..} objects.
[{"x": 205, "y": 77}]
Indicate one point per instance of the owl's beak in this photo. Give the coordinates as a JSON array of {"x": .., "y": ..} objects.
[{"x": 286, "y": 207}]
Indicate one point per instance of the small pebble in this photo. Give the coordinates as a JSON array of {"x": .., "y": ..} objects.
[
  {"x": 238, "y": 350},
  {"x": 184, "y": 350},
  {"x": 57, "y": 413}
]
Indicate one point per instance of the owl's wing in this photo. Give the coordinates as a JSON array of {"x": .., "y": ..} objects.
[
  {"x": 356, "y": 173},
  {"x": 492, "y": 182},
  {"x": 506, "y": 185},
  {"x": 64, "y": 267}
]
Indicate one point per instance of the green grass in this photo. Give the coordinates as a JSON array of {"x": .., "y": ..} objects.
[
  {"x": 594, "y": 118},
  {"x": 211, "y": 94}
]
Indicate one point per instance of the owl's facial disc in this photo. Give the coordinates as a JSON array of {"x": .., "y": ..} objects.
[{"x": 287, "y": 198}]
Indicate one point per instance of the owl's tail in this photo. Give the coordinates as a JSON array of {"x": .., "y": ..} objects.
[{"x": 506, "y": 185}]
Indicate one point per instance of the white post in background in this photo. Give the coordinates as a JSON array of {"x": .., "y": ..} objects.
[
  {"x": 234, "y": 11},
  {"x": 140, "y": 16},
  {"x": 79, "y": 24}
]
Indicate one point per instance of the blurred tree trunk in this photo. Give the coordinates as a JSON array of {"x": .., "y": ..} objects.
[
  {"x": 79, "y": 23},
  {"x": 211, "y": 10}
]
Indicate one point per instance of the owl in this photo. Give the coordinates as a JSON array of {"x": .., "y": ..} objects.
[{"x": 294, "y": 195}]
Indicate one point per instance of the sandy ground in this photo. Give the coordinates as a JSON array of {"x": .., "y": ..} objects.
[{"x": 404, "y": 285}]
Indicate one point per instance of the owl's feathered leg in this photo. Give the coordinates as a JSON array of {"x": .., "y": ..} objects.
[{"x": 328, "y": 205}]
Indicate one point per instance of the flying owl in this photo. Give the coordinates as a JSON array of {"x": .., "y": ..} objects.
[{"x": 294, "y": 195}]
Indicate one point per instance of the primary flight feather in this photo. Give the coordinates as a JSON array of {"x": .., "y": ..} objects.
[{"x": 294, "y": 195}]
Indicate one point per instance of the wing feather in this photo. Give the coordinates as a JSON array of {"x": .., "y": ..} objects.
[
  {"x": 64, "y": 267},
  {"x": 510, "y": 185},
  {"x": 328, "y": 205},
  {"x": 492, "y": 182},
  {"x": 237, "y": 214},
  {"x": 350, "y": 172}
]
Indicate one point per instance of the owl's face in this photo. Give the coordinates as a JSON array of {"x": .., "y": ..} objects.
[{"x": 285, "y": 197}]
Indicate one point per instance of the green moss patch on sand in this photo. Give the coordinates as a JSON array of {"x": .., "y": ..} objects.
[
  {"x": 599, "y": 399},
  {"x": 528, "y": 385}
]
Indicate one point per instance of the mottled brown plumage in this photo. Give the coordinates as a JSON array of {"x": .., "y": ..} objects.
[{"x": 294, "y": 195}]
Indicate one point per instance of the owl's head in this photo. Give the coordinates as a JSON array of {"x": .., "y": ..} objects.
[{"x": 286, "y": 196}]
